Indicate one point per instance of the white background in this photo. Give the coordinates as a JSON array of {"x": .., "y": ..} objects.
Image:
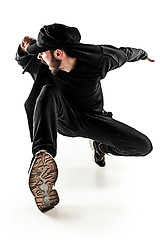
[{"x": 120, "y": 201}]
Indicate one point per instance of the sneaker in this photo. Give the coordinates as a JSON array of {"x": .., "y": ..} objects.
[
  {"x": 42, "y": 177},
  {"x": 99, "y": 156}
]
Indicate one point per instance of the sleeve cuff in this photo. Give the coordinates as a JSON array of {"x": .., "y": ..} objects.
[{"x": 21, "y": 52}]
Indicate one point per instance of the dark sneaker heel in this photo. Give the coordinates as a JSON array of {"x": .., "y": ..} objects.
[{"x": 99, "y": 156}]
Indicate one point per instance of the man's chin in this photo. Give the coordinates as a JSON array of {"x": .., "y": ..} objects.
[{"x": 53, "y": 70}]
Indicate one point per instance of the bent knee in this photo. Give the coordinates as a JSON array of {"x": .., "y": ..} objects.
[
  {"x": 146, "y": 146},
  {"x": 47, "y": 91}
]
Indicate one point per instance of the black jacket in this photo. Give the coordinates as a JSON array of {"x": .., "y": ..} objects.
[{"x": 81, "y": 87}]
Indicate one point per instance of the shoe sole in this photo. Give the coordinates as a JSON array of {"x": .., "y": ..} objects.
[{"x": 42, "y": 178}]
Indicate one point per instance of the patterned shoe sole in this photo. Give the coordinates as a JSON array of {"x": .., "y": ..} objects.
[{"x": 42, "y": 178}]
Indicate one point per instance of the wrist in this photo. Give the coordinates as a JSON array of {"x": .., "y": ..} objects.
[{"x": 21, "y": 51}]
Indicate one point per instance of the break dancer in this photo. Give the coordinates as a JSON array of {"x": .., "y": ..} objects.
[{"x": 67, "y": 98}]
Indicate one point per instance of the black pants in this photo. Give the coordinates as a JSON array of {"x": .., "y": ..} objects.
[{"x": 53, "y": 114}]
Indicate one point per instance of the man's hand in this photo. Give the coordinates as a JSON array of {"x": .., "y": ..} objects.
[
  {"x": 26, "y": 42},
  {"x": 150, "y": 60}
]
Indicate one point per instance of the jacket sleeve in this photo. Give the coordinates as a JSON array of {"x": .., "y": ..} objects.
[
  {"x": 133, "y": 54},
  {"x": 29, "y": 63},
  {"x": 113, "y": 57}
]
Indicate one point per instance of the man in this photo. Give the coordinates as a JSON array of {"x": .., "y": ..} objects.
[{"x": 67, "y": 98}]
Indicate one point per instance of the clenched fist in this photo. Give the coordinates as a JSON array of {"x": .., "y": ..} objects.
[{"x": 26, "y": 42}]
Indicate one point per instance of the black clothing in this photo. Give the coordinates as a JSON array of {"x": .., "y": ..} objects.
[{"x": 72, "y": 103}]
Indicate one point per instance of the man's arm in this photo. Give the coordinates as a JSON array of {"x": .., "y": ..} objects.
[
  {"x": 113, "y": 57},
  {"x": 29, "y": 63},
  {"x": 134, "y": 54}
]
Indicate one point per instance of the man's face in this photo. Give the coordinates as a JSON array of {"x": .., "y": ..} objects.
[{"x": 48, "y": 59}]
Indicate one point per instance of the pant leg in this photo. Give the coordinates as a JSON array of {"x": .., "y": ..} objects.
[
  {"x": 53, "y": 114},
  {"x": 43, "y": 78},
  {"x": 117, "y": 138},
  {"x": 45, "y": 120}
]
